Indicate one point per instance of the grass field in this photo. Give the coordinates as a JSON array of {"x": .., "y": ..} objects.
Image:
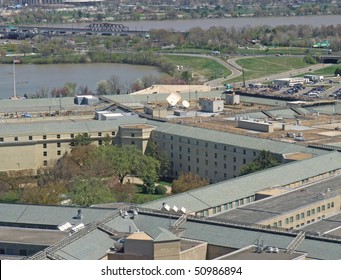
[
  {"x": 263, "y": 66},
  {"x": 201, "y": 66}
]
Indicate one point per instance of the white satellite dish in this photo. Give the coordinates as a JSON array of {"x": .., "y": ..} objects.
[
  {"x": 185, "y": 103},
  {"x": 173, "y": 98}
]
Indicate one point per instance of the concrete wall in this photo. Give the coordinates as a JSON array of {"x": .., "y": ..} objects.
[
  {"x": 169, "y": 250},
  {"x": 256, "y": 126},
  {"x": 196, "y": 253}
]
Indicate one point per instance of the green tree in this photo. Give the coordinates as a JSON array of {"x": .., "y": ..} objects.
[
  {"x": 263, "y": 161},
  {"x": 89, "y": 191},
  {"x": 148, "y": 185},
  {"x": 188, "y": 181},
  {"x": 161, "y": 156},
  {"x": 83, "y": 139}
]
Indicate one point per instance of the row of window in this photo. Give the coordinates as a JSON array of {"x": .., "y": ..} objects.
[
  {"x": 302, "y": 215},
  {"x": 16, "y": 138},
  {"x": 197, "y": 142},
  {"x": 228, "y": 206}
]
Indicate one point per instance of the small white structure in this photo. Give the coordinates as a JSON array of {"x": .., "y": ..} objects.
[
  {"x": 86, "y": 100},
  {"x": 211, "y": 105},
  {"x": 256, "y": 125},
  {"x": 232, "y": 99}
]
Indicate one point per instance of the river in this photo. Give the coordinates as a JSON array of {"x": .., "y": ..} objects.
[
  {"x": 29, "y": 78},
  {"x": 185, "y": 25}
]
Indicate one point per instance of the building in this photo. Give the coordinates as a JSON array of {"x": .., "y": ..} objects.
[
  {"x": 211, "y": 105},
  {"x": 289, "y": 82}
]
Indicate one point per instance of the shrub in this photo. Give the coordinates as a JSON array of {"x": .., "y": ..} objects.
[{"x": 160, "y": 190}]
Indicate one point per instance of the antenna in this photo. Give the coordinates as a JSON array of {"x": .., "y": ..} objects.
[
  {"x": 173, "y": 98},
  {"x": 185, "y": 103}
]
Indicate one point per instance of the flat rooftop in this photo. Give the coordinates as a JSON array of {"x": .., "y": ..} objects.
[
  {"x": 251, "y": 253},
  {"x": 328, "y": 226},
  {"x": 271, "y": 207},
  {"x": 30, "y": 236}
]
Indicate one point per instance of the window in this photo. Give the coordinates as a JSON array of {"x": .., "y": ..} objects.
[
  {"x": 225, "y": 165},
  {"x": 58, "y": 136},
  {"x": 291, "y": 219},
  {"x": 99, "y": 133},
  {"x": 302, "y": 215},
  {"x": 16, "y": 138},
  {"x": 1, "y": 139},
  {"x": 180, "y": 156},
  {"x": 234, "y": 167},
  {"x": 225, "y": 175},
  {"x": 244, "y": 161},
  {"x": 206, "y": 144},
  {"x": 73, "y": 136},
  {"x": 188, "y": 141},
  {"x": 45, "y": 154},
  {"x": 133, "y": 135},
  {"x": 113, "y": 133},
  {"x": 215, "y": 146},
  {"x": 172, "y": 155},
  {"x": 323, "y": 207},
  {"x": 234, "y": 159},
  {"x": 312, "y": 211},
  {"x": 287, "y": 221},
  {"x": 332, "y": 205},
  {"x": 197, "y": 143},
  {"x": 171, "y": 146},
  {"x": 234, "y": 150},
  {"x": 225, "y": 157},
  {"x": 206, "y": 162},
  {"x": 297, "y": 217},
  {"x": 180, "y": 139},
  {"x": 188, "y": 150},
  {"x": 2, "y": 251},
  {"x": 197, "y": 160},
  {"x": 180, "y": 148},
  {"x": 215, "y": 164},
  {"x": 189, "y": 168},
  {"x": 215, "y": 155},
  {"x": 22, "y": 252},
  {"x": 224, "y": 148},
  {"x": 45, "y": 163},
  {"x": 189, "y": 158},
  {"x": 30, "y": 138},
  {"x": 59, "y": 153},
  {"x": 100, "y": 142},
  {"x": 44, "y": 136},
  {"x": 274, "y": 224},
  {"x": 254, "y": 154},
  {"x": 318, "y": 209},
  {"x": 171, "y": 137},
  {"x": 328, "y": 205},
  {"x": 44, "y": 146},
  {"x": 58, "y": 145},
  {"x": 244, "y": 152}
]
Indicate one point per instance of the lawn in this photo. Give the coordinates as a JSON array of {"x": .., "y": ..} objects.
[
  {"x": 257, "y": 67},
  {"x": 206, "y": 67}
]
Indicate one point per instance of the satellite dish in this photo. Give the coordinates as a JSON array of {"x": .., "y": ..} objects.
[
  {"x": 173, "y": 98},
  {"x": 185, "y": 103}
]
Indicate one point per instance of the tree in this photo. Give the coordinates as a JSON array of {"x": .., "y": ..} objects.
[
  {"x": 89, "y": 191},
  {"x": 148, "y": 185},
  {"x": 162, "y": 157},
  {"x": 188, "y": 181},
  {"x": 263, "y": 161},
  {"x": 83, "y": 139}
]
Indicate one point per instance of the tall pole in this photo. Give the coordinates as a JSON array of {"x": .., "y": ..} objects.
[{"x": 14, "y": 82}]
